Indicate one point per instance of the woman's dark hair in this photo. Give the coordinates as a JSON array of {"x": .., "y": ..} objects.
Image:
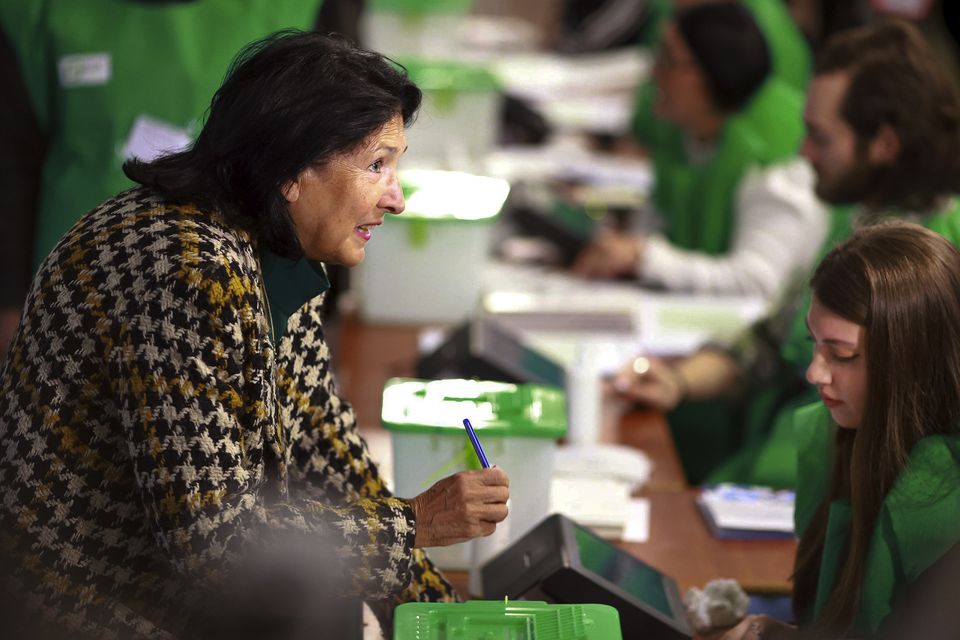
[
  {"x": 730, "y": 49},
  {"x": 901, "y": 282},
  {"x": 897, "y": 80},
  {"x": 289, "y": 101}
]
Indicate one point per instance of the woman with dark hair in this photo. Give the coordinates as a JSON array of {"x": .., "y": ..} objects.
[
  {"x": 737, "y": 206},
  {"x": 878, "y": 495},
  {"x": 160, "y": 427}
]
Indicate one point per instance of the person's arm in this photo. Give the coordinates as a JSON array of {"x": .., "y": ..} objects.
[
  {"x": 708, "y": 373},
  {"x": 780, "y": 226},
  {"x": 332, "y": 461},
  {"x": 331, "y": 458}
]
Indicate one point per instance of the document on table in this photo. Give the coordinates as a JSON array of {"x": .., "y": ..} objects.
[
  {"x": 734, "y": 511},
  {"x": 604, "y": 505}
]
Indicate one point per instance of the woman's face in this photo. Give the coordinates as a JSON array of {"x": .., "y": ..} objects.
[
  {"x": 682, "y": 94},
  {"x": 838, "y": 368},
  {"x": 335, "y": 206}
]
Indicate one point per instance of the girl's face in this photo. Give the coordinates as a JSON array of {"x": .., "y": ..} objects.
[{"x": 838, "y": 368}]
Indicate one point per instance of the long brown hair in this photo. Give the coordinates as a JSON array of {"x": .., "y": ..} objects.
[
  {"x": 897, "y": 80},
  {"x": 901, "y": 282}
]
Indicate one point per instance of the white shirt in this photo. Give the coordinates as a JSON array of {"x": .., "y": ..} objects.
[{"x": 780, "y": 225}]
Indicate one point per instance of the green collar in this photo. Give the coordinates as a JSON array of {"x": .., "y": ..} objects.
[{"x": 290, "y": 284}]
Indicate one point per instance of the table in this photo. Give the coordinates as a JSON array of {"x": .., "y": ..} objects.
[{"x": 680, "y": 544}]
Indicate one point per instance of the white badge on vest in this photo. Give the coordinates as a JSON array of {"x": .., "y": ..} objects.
[
  {"x": 85, "y": 70},
  {"x": 151, "y": 138}
]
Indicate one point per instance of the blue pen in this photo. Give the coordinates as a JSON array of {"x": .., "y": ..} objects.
[{"x": 476, "y": 444}]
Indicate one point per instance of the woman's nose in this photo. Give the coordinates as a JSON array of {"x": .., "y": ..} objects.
[
  {"x": 817, "y": 373},
  {"x": 392, "y": 199}
]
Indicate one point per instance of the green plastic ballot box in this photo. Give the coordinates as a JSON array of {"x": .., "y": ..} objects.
[
  {"x": 518, "y": 426},
  {"x": 503, "y": 620}
]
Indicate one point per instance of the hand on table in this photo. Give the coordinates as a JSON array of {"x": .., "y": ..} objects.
[
  {"x": 651, "y": 382},
  {"x": 760, "y": 628},
  {"x": 609, "y": 255},
  {"x": 460, "y": 507}
]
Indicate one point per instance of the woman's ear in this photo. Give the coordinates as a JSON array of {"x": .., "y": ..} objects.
[{"x": 291, "y": 190}]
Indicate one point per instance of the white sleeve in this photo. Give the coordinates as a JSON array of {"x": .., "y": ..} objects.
[{"x": 780, "y": 225}]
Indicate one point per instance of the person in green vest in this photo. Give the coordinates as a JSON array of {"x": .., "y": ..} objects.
[
  {"x": 789, "y": 52},
  {"x": 96, "y": 83},
  {"x": 737, "y": 205},
  {"x": 878, "y": 493},
  {"x": 883, "y": 136}
]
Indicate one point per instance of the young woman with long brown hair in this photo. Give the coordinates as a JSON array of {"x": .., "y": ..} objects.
[{"x": 878, "y": 495}]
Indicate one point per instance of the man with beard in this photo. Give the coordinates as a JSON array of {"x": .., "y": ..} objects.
[{"x": 883, "y": 136}]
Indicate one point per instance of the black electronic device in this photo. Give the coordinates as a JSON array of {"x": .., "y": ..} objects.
[
  {"x": 566, "y": 563},
  {"x": 487, "y": 349}
]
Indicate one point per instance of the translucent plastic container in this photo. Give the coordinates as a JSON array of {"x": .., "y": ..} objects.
[
  {"x": 428, "y": 28},
  {"x": 486, "y": 620},
  {"x": 518, "y": 426},
  {"x": 458, "y": 121},
  {"x": 425, "y": 265}
]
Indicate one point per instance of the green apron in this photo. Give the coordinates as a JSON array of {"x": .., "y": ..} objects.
[
  {"x": 766, "y": 454},
  {"x": 918, "y": 521},
  {"x": 93, "y": 67},
  {"x": 698, "y": 199}
]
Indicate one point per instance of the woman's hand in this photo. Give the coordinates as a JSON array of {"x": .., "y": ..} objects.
[
  {"x": 465, "y": 505},
  {"x": 651, "y": 382},
  {"x": 760, "y": 628},
  {"x": 609, "y": 255}
]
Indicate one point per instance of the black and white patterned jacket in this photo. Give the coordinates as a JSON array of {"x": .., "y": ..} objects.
[{"x": 152, "y": 436}]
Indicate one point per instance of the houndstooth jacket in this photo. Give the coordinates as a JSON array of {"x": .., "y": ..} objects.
[{"x": 152, "y": 435}]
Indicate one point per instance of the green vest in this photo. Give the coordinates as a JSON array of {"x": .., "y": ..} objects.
[
  {"x": 789, "y": 51},
  {"x": 698, "y": 199},
  {"x": 768, "y": 453},
  {"x": 918, "y": 521},
  {"x": 94, "y": 66}
]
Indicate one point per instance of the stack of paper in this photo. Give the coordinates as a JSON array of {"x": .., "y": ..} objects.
[
  {"x": 599, "y": 503},
  {"x": 603, "y": 505},
  {"x": 739, "y": 512}
]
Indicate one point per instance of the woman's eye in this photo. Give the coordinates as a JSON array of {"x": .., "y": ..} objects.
[
  {"x": 845, "y": 358},
  {"x": 377, "y": 166}
]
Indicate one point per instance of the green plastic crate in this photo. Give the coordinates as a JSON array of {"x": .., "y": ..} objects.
[{"x": 501, "y": 620}]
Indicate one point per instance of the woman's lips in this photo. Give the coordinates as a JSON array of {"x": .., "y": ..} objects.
[
  {"x": 365, "y": 231},
  {"x": 829, "y": 402}
]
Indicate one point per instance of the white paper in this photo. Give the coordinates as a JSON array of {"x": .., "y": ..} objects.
[
  {"x": 151, "y": 138},
  {"x": 593, "y": 502},
  {"x": 637, "y": 528}
]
